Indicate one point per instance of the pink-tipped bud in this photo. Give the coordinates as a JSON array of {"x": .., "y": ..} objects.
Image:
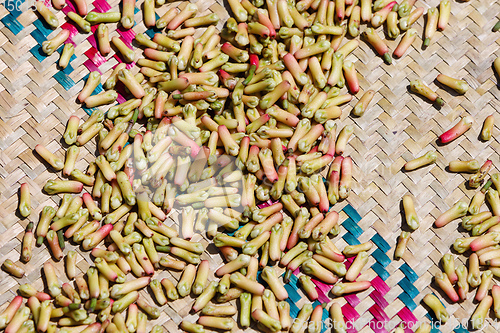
[
  {"x": 446, "y": 286},
  {"x": 460, "y": 128}
]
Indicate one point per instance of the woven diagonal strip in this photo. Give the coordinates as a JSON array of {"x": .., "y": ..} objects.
[{"x": 36, "y": 99}]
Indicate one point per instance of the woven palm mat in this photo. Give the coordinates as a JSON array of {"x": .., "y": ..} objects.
[{"x": 36, "y": 99}]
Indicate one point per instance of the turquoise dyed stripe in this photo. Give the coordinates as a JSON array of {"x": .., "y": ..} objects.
[
  {"x": 64, "y": 80},
  {"x": 408, "y": 301},
  {"x": 42, "y": 28},
  {"x": 410, "y": 273},
  {"x": 68, "y": 70},
  {"x": 350, "y": 239},
  {"x": 88, "y": 110},
  {"x": 353, "y": 214},
  {"x": 151, "y": 32},
  {"x": 408, "y": 287},
  {"x": 381, "y": 257},
  {"x": 38, "y": 53},
  {"x": 17, "y": 5},
  {"x": 352, "y": 227},
  {"x": 380, "y": 270},
  {"x": 12, "y": 24},
  {"x": 38, "y": 36},
  {"x": 381, "y": 243}
]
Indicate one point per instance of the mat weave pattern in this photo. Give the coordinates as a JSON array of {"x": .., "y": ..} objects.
[{"x": 36, "y": 99}]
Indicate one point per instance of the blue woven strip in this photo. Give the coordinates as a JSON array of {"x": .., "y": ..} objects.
[
  {"x": 351, "y": 226},
  {"x": 381, "y": 257},
  {"x": 408, "y": 287},
  {"x": 37, "y": 52},
  {"x": 381, "y": 243},
  {"x": 350, "y": 239},
  {"x": 408, "y": 301},
  {"x": 68, "y": 70},
  {"x": 292, "y": 288},
  {"x": 15, "y": 7},
  {"x": 12, "y": 24},
  {"x": 64, "y": 80},
  {"x": 152, "y": 31},
  {"x": 324, "y": 319},
  {"x": 353, "y": 214},
  {"x": 38, "y": 36},
  {"x": 409, "y": 273},
  {"x": 42, "y": 28},
  {"x": 380, "y": 270}
]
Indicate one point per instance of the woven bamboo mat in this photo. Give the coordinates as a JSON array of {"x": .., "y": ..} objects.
[{"x": 36, "y": 99}]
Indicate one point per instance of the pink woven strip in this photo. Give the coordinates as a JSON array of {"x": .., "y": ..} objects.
[
  {"x": 377, "y": 326},
  {"x": 352, "y": 299},
  {"x": 266, "y": 204},
  {"x": 323, "y": 289},
  {"x": 91, "y": 66},
  {"x": 72, "y": 32},
  {"x": 119, "y": 59},
  {"x": 95, "y": 56},
  {"x": 68, "y": 8},
  {"x": 379, "y": 285},
  {"x": 379, "y": 299},
  {"x": 127, "y": 35},
  {"x": 348, "y": 262},
  {"x": 350, "y": 315},
  {"x": 120, "y": 99},
  {"x": 378, "y": 313},
  {"x": 120, "y": 89},
  {"x": 407, "y": 316},
  {"x": 91, "y": 39},
  {"x": 101, "y": 6}
]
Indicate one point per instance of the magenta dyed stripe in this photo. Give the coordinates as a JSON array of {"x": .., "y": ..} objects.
[
  {"x": 67, "y": 9},
  {"x": 91, "y": 66},
  {"x": 127, "y": 35},
  {"x": 92, "y": 39},
  {"x": 69, "y": 6},
  {"x": 352, "y": 299},
  {"x": 72, "y": 31},
  {"x": 323, "y": 290},
  {"x": 267, "y": 204},
  {"x": 407, "y": 316},
  {"x": 129, "y": 66},
  {"x": 380, "y": 286},
  {"x": 348, "y": 262},
  {"x": 48, "y": 3},
  {"x": 378, "y": 313},
  {"x": 379, "y": 299},
  {"x": 101, "y": 6},
  {"x": 120, "y": 99},
  {"x": 377, "y": 326},
  {"x": 120, "y": 89},
  {"x": 350, "y": 313},
  {"x": 95, "y": 57}
]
